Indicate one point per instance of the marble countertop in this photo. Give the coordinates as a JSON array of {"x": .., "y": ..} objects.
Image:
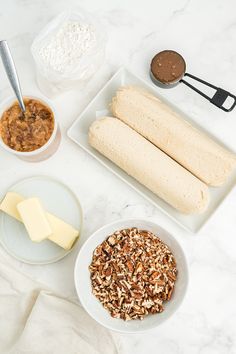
[{"x": 205, "y": 32}]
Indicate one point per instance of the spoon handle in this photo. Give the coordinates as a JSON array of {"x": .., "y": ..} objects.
[
  {"x": 218, "y": 99},
  {"x": 11, "y": 72}
]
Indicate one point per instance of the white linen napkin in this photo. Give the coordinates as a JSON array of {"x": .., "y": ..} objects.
[{"x": 33, "y": 320}]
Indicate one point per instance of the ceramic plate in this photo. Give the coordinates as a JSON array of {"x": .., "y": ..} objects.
[
  {"x": 94, "y": 307},
  {"x": 99, "y": 107},
  {"x": 58, "y": 200}
]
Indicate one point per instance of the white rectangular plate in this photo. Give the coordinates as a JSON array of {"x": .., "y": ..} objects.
[{"x": 99, "y": 106}]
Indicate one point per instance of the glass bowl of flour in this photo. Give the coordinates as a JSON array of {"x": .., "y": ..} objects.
[{"x": 68, "y": 51}]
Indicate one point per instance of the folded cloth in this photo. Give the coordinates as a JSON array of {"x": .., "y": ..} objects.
[{"x": 33, "y": 320}]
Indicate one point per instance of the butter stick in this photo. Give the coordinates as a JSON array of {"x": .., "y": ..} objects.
[
  {"x": 63, "y": 234},
  {"x": 9, "y": 203}
]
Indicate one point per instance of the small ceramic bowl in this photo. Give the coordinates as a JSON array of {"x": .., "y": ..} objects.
[
  {"x": 47, "y": 149},
  {"x": 94, "y": 307}
]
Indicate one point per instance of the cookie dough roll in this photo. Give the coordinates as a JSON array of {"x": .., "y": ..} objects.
[
  {"x": 148, "y": 165},
  {"x": 157, "y": 122}
]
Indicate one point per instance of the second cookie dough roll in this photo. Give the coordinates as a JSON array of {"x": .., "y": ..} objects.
[
  {"x": 156, "y": 121},
  {"x": 148, "y": 165}
]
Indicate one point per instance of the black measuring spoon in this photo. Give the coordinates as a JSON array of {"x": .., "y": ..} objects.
[{"x": 168, "y": 68}]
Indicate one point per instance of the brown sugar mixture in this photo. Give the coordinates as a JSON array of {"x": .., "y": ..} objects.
[
  {"x": 29, "y": 131},
  {"x": 168, "y": 66}
]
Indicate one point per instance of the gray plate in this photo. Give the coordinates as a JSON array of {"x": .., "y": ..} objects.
[{"x": 58, "y": 200}]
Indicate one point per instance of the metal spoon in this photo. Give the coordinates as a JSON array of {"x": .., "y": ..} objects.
[{"x": 11, "y": 72}]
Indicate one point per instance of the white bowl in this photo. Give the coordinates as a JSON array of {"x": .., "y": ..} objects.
[{"x": 94, "y": 307}]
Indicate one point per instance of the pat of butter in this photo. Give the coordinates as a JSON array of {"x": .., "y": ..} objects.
[
  {"x": 9, "y": 203},
  {"x": 63, "y": 234},
  {"x": 34, "y": 219}
]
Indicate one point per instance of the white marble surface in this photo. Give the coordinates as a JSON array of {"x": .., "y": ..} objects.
[{"x": 205, "y": 32}]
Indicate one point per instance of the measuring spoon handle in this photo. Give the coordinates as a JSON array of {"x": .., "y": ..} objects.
[
  {"x": 219, "y": 97},
  {"x": 11, "y": 72}
]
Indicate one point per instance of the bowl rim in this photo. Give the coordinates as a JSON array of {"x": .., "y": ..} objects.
[{"x": 131, "y": 220}]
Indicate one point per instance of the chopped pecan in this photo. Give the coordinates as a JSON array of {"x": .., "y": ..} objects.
[{"x": 132, "y": 273}]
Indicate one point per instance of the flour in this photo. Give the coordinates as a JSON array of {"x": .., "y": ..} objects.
[
  {"x": 63, "y": 50},
  {"x": 68, "y": 51}
]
